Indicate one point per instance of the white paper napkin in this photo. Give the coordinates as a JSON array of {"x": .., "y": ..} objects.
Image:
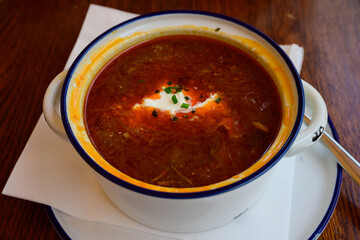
[{"x": 49, "y": 170}]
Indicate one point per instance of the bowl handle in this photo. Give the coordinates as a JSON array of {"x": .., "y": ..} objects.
[
  {"x": 51, "y": 105},
  {"x": 315, "y": 105}
]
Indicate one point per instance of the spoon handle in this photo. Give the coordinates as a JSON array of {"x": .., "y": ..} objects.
[{"x": 347, "y": 162}]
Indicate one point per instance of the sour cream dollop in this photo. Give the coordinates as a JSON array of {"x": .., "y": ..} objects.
[{"x": 164, "y": 102}]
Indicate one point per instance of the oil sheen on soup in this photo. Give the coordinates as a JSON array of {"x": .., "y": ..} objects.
[{"x": 182, "y": 111}]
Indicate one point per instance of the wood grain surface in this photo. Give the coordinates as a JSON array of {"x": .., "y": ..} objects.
[{"x": 36, "y": 38}]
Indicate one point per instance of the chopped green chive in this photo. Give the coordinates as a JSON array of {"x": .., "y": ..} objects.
[
  {"x": 141, "y": 81},
  {"x": 174, "y": 118},
  {"x": 186, "y": 116},
  {"x": 218, "y": 100},
  {"x": 169, "y": 82},
  {"x": 184, "y": 105},
  {"x": 187, "y": 98},
  {"x": 178, "y": 89},
  {"x": 157, "y": 91},
  {"x": 170, "y": 89},
  {"x": 155, "y": 113},
  {"x": 174, "y": 99},
  {"x": 217, "y": 29}
]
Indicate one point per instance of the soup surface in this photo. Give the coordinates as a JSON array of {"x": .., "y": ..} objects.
[{"x": 182, "y": 111}]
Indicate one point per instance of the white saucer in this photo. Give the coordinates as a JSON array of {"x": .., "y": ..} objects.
[{"x": 317, "y": 183}]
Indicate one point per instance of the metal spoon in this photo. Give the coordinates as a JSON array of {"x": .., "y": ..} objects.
[{"x": 347, "y": 162}]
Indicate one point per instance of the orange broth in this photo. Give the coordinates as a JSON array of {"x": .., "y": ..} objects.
[{"x": 186, "y": 149}]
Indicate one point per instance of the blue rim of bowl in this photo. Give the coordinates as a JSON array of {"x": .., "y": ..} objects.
[
  {"x": 200, "y": 194},
  {"x": 320, "y": 228}
]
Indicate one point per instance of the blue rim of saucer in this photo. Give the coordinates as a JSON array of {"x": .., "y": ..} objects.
[
  {"x": 63, "y": 234},
  {"x": 200, "y": 194},
  {"x": 336, "y": 194}
]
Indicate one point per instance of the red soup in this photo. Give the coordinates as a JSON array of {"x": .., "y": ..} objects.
[{"x": 182, "y": 111}]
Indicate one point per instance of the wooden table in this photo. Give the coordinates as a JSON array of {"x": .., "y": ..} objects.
[{"x": 36, "y": 38}]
